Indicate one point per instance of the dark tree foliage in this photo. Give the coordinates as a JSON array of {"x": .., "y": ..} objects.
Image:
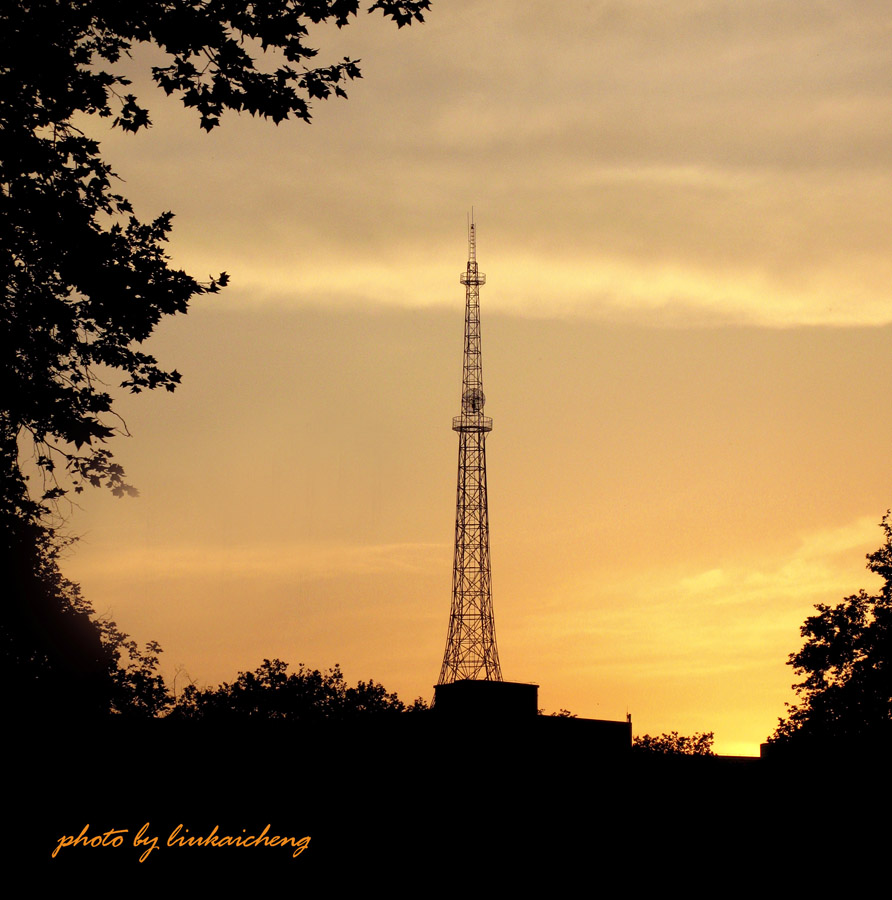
[
  {"x": 675, "y": 744},
  {"x": 307, "y": 696},
  {"x": 84, "y": 281},
  {"x": 845, "y": 697},
  {"x": 64, "y": 663}
]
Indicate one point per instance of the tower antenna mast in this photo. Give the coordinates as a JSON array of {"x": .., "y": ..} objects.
[{"x": 471, "y": 652}]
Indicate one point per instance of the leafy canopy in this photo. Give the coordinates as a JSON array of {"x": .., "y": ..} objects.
[
  {"x": 84, "y": 281},
  {"x": 675, "y": 744},
  {"x": 845, "y": 696},
  {"x": 62, "y": 661},
  {"x": 307, "y": 695}
]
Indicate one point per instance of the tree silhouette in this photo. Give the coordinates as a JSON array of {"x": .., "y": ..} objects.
[
  {"x": 675, "y": 744},
  {"x": 57, "y": 660},
  {"x": 270, "y": 693},
  {"x": 84, "y": 281},
  {"x": 845, "y": 698}
]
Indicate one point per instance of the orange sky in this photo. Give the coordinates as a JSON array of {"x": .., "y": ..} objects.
[{"x": 683, "y": 216}]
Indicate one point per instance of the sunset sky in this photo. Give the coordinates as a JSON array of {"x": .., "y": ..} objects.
[{"x": 683, "y": 214}]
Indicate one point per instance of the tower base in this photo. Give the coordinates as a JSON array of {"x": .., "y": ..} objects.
[{"x": 489, "y": 699}]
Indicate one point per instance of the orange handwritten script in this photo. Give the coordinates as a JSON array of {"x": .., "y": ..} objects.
[
  {"x": 114, "y": 837},
  {"x": 179, "y": 837}
]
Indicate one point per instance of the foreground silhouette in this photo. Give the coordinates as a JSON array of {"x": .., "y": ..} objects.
[
  {"x": 845, "y": 697},
  {"x": 306, "y": 696},
  {"x": 675, "y": 744},
  {"x": 58, "y": 662},
  {"x": 84, "y": 284},
  {"x": 409, "y": 799}
]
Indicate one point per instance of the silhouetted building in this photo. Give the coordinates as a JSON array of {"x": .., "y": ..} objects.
[{"x": 487, "y": 699}]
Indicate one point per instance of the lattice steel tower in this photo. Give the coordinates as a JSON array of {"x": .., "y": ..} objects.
[{"x": 471, "y": 652}]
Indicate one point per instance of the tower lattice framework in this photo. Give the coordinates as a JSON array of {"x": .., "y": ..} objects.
[{"x": 471, "y": 651}]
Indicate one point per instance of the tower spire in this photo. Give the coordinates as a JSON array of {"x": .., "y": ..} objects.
[
  {"x": 471, "y": 652},
  {"x": 472, "y": 238}
]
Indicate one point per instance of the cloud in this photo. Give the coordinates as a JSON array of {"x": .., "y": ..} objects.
[
  {"x": 680, "y": 164},
  {"x": 819, "y": 567},
  {"x": 735, "y": 616}
]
